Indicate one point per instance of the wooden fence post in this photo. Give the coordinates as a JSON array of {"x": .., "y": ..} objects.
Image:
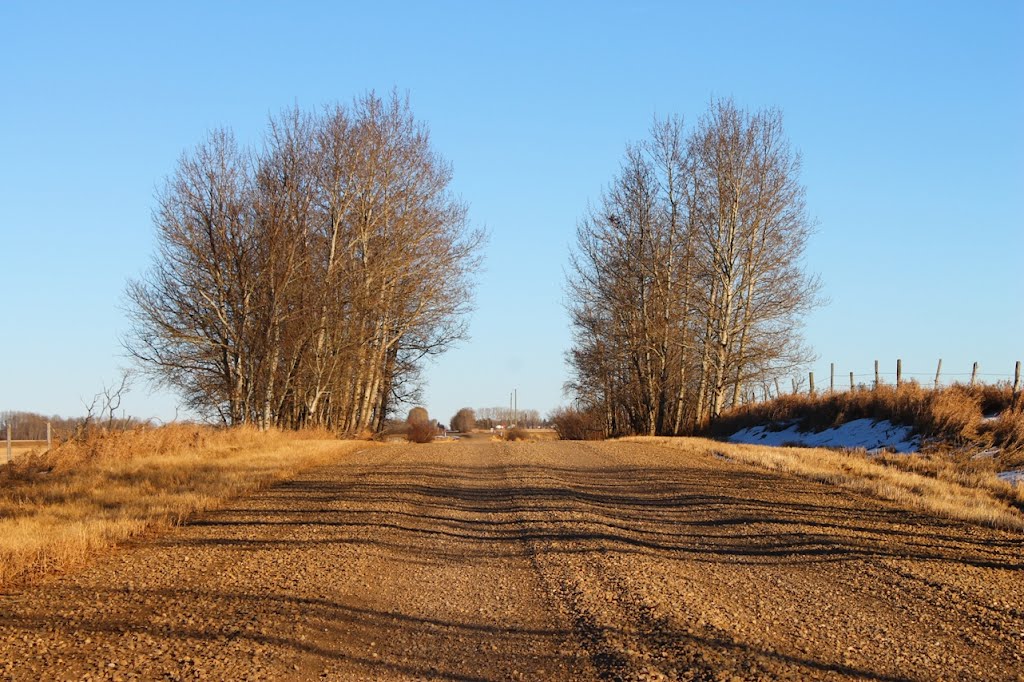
[
  {"x": 49, "y": 435},
  {"x": 877, "y": 379},
  {"x": 851, "y": 381},
  {"x": 831, "y": 377},
  {"x": 938, "y": 371},
  {"x": 10, "y": 457},
  {"x": 974, "y": 373},
  {"x": 811, "y": 389},
  {"x": 1016, "y": 379},
  {"x": 899, "y": 372}
]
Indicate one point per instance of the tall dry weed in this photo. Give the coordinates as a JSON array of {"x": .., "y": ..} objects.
[
  {"x": 1008, "y": 429},
  {"x": 953, "y": 415}
]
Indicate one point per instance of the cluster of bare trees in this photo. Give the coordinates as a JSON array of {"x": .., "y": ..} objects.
[
  {"x": 488, "y": 417},
  {"x": 302, "y": 282},
  {"x": 686, "y": 286},
  {"x": 32, "y": 426}
]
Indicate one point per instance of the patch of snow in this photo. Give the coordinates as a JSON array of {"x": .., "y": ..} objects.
[
  {"x": 986, "y": 454},
  {"x": 990, "y": 417},
  {"x": 873, "y": 436},
  {"x": 1013, "y": 477}
]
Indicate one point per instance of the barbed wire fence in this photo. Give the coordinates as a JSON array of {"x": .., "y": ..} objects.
[{"x": 867, "y": 381}]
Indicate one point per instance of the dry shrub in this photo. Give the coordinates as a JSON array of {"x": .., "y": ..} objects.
[
  {"x": 516, "y": 433},
  {"x": 994, "y": 398},
  {"x": 575, "y": 424},
  {"x": 1007, "y": 430},
  {"x": 953, "y": 415},
  {"x": 421, "y": 432}
]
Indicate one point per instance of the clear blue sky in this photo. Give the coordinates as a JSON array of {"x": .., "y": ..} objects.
[{"x": 908, "y": 115}]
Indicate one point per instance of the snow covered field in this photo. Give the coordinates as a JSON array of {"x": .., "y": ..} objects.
[
  {"x": 873, "y": 436},
  {"x": 860, "y": 433},
  {"x": 1012, "y": 477}
]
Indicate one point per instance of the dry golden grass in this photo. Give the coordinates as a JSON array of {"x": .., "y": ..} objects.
[
  {"x": 19, "y": 448},
  {"x": 952, "y": 416},
  {"x": 58, "y": 507},
  {"x": 978, "y": 499}
]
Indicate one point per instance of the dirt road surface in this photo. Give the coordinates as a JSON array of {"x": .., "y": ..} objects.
[{"x": 536, "y": 561}]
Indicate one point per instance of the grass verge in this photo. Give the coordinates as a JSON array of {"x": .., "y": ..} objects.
[
  {"x": 982, "y": 499},
  {"x": 57, "y": 508},
  {"x": 957, "y": 416}
]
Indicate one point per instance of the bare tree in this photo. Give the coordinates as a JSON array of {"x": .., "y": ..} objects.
[
  {"x": 304, "y": 282},
  {"x": 193, "y": 314},
  {"x": 751, "y": 228},
  {"x": 686, "y": 285}
]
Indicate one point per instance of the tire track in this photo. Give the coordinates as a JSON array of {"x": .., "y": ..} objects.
[{"x": 556, "y": 561}]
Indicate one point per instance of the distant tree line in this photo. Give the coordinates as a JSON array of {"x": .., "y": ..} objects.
[
  {"x": 301, "y": 283},
  {"x": 32, "y": 426},
  {"x": 686, "y": 283},
  {"x": 485, "y": 418},
  {"x": 489, "y": 417},
  {"x": 100, "y": 412}
]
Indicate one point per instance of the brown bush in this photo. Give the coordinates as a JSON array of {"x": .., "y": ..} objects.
[
  {"x": 571, "y": 423},
  {"x": 952, "y": 414},
  {"x": 994, "y": 398},
  {"x": 516, "y": 433},
  {"x": 421, "y": 432},
  {"x": 1008, "y": 428}
]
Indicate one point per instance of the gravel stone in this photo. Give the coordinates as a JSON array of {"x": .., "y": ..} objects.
[{"x": 536, "y": 561}]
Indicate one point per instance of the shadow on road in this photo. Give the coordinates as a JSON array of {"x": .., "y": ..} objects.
[
  {"x": 487, "y": 509},
  {"x": 432, "y": 514}
]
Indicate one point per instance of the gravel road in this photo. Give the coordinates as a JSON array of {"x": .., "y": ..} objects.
[{"x": 535, "y": 561}]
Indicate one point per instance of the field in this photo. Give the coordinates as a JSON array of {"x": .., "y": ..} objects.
[
  {"x": 549, "y": 560},
  {"x": 20, "y": 448},
  {"x": 59, "y": 507},
  {"x": 953, "y": 420}
]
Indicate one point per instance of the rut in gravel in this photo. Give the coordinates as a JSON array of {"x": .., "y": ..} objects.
[{"x": 491, "y": 561}]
